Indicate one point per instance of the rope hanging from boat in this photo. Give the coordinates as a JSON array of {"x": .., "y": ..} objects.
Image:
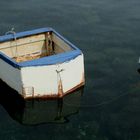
[
  {"x": 98, "y": 104},
  {"x": 50, "y": 44},
  {"x": 15, "y": 39},
  {"x": 60, "y": 84}
]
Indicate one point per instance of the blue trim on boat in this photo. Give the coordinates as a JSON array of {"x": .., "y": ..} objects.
[
  {"x": 9, "y": 60},
  {"x": 51, "y": 60},
  {"x": 23, "y": 34},
  {"x": 48, "y": 60},
  {"x": 65, "y": 40}
]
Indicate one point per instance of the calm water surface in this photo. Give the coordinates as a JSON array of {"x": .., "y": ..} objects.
[{"x": 108, "y": 33}]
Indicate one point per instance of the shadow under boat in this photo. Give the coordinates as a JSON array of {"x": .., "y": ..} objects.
[{"x": 38, "y": 111}]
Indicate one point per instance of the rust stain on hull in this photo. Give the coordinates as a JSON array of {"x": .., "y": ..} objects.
[
  {"x": 60, "y": 93},
  {"x": 54, "y": 96},
  {"x": 60, "y": 89}
]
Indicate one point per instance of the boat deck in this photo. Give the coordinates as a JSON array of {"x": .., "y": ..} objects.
[
  {"x": 34, "y": 47},
  {"x": 29, "y": 57}
]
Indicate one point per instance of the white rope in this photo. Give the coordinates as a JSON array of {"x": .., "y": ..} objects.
[
  {"x": 96, "y": 105},
  {"x": 14, "y": 35},
  {"x": 59, "y": 81}
]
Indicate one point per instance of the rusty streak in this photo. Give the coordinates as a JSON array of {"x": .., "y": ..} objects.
[{"x": 55, "y": 96}]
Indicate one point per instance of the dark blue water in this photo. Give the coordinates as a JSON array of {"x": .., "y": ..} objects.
[{"x": 108, "y": 33}]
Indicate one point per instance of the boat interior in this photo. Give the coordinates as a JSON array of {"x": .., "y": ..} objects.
[{"x": 34, "y": 47}]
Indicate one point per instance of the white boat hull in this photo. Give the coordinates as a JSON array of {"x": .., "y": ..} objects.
[
  {"x": 47, "y": 77},
  {"x": 44, "y": 81}
]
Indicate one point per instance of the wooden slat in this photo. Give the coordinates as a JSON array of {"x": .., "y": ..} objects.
[
  {"x": 59, "y": 42},
  {"x": 24, "y": 49},
  {"x": 22, "y": 41},
  {"x": 33, "y": 44}
]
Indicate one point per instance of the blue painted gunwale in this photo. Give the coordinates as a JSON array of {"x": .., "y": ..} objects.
[{"x": 48, "y": 60}]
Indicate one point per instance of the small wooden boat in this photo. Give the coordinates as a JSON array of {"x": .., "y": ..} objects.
[{"x": 40, "y": 63}]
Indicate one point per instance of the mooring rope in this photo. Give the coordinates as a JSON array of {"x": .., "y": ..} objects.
[
  {"x": 49, "y": 43},
  {"x": 59, "y": 81},
  {"x": 96, "y": 105},
  {"x": 14, "y": 35}
]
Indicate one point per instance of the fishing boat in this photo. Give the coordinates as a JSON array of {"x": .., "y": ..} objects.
[{"x": 40, "y": 63}]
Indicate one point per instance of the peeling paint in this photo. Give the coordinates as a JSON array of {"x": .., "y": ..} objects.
[{"x": 53, "y": 96}]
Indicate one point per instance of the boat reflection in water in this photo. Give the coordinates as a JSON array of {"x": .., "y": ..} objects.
[{"x": 38, "y": 111}]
